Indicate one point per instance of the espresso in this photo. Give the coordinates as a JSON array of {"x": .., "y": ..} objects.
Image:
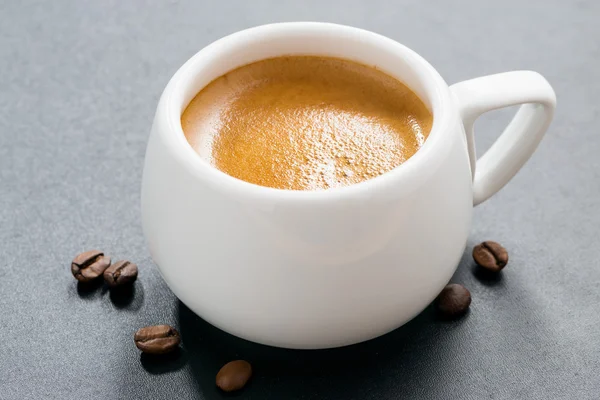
[{"x": 306, "y": 123}]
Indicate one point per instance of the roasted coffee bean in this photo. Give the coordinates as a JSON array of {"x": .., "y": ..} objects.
[
  {"x": 490, "y": 255},
  {"x": 159, "y": 339},
  {"x": 121, "y": 273},
  {"x": 89, "y": 265},
  {"x": 453, "y": 301},
  {"x": 234, "y": 375}
]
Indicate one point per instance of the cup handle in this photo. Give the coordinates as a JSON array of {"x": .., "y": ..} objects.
[{"x": 520, "y": 138}]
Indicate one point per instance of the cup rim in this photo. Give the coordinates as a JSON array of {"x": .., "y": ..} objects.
[{"x": 437, "y": 93}]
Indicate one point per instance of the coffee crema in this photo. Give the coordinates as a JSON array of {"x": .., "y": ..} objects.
[{"x": 306, "y": 123}]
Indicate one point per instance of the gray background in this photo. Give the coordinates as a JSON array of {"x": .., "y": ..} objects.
[{"x": 79, "y": 83}]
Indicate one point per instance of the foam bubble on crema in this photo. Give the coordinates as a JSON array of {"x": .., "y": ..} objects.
[{"x": 306, "y": 123}]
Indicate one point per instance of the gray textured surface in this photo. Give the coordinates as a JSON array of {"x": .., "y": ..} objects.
[{"x": 79, "y": 82}]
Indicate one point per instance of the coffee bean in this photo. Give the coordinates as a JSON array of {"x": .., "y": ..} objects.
[
  {"x": 453, "y": 301},
  {"x": 89, "y": 265},
  {"x": 490, "y": 255},
  {"x": 159, "y": 339},
  {"x": 121, "y": 273},
  {"x": 234, "y": 375}
]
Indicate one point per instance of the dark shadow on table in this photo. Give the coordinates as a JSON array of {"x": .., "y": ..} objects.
[
  {"x": 416, "y": 349},
  {"x": 415, "y": 356},
  {"x": 486, "y": 277},
  {"x": 89, "y": 290},
  {"x": 164, "y": 363},
  {"x": 128, "y": 298}
]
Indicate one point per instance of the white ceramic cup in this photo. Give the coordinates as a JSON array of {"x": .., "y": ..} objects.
[{"x": 304, "y": 269}]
